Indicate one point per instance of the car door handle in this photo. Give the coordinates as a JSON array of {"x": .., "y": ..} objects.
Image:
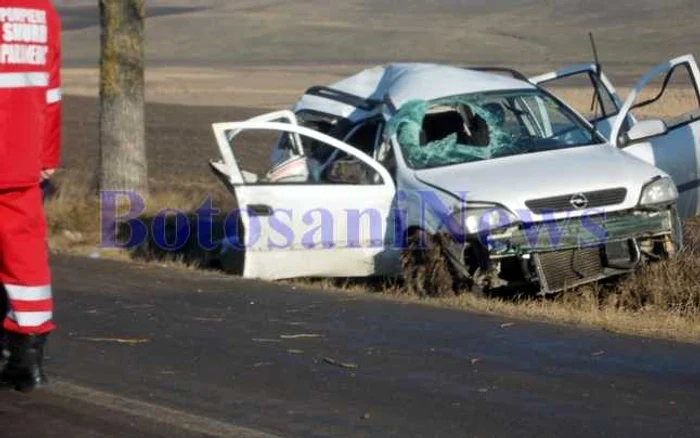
[{"x": 260, "y": 210}]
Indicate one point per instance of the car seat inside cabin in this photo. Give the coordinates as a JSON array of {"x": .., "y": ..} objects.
[{"x": 441, "y": 122}]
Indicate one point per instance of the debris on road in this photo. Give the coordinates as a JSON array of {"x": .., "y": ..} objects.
[
  {"x": 331, "y": 361},
  {"x": 116, "y": 340},
  {"x": 300, "y": 336},
  {"x": 508, "y": 325},
  {"x": 138, "y": 306},
  {"x": 201, "y": 319},
  {"x": 267, "y": 341}
]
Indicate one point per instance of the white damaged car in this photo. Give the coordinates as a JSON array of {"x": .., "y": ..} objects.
[{"x": 464, "y": 179}]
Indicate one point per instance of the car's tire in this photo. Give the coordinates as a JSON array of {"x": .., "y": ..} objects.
[{"x": 425, "y": 267}]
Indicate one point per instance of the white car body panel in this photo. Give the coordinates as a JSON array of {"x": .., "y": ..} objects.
[
  {"x": 278, "y": 255},
  {"x": 405, "y": 82},
  {"x": 570, "y": 168},
  {"x": 298, "y": 230}
]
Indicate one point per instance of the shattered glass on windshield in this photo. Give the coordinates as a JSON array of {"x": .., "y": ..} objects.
[{"x": 484, "y": 126}]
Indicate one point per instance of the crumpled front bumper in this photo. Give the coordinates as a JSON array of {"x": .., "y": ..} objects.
[
  {"x": 580, "y": 232},
  {"x": 568, "y": 253}
]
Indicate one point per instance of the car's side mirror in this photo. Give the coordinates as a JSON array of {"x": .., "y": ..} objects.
[{"x": 645, "y": 129}]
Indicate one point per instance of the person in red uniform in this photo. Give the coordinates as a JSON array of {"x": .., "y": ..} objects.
[{"x": 30, "y": 144}]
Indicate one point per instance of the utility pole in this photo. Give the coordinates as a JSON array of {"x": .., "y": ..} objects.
[{"x": 122, "y": 137}]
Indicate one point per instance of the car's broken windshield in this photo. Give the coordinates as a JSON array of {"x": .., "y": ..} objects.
[{"x": 485, "y": 126}]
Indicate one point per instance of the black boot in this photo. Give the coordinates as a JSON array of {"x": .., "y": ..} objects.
[
  {"x": 25, "y": 368},
  {"x": 4, "y": 352}
]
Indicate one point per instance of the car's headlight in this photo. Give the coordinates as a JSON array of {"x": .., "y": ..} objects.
[
  {"x": 660, "y": 191},
  {"x": 487, "y": 218}
]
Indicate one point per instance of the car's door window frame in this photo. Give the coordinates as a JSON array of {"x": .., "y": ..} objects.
[
  {"x": 664, "y": 88},
  {"x": 225, "y": 140},
  {"x": 683, "y": 61},
  {"x": 350, "y": 132},
  {"x": 600, "y": 83}
]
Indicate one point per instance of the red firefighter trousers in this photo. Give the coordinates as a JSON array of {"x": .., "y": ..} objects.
[{"x": 24, "y": 265}]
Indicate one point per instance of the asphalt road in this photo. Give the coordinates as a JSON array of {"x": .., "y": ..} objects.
[{"x": 151, "y": 352}]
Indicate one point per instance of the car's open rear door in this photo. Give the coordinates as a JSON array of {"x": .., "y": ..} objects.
[
  {"x": 325, "y": 227},
  {"x": 588, "y": 91},
  {"x": 677, "y": 104}
]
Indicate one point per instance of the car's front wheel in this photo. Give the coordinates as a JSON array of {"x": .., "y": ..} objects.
[{"x": 425, "y": 267}]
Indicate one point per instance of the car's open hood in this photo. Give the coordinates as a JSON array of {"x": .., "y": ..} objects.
[{"x": 512, "y": 181}]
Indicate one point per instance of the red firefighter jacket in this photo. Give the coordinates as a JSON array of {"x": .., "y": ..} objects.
[{"x": 30, "y": 95}]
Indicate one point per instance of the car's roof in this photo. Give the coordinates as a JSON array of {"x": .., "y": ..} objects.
[{"x": 402, "y": 82}]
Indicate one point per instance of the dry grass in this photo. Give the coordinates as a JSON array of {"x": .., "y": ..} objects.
[
  {"x": 667, "y": 287},
  {"x": 74, "y": 213}
]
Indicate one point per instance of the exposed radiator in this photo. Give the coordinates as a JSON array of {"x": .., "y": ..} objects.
[{"x": 560, "y": 270}]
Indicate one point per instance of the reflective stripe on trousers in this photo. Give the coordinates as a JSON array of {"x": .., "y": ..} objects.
[
  {"x": 24, "y": 264},
  {"x": 31, "y": 305}
]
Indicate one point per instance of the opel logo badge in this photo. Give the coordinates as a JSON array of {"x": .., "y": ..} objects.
[{"x": 579, "y": 201}]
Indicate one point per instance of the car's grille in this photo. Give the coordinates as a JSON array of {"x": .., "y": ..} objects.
[
  {"x": 596, "y": 199},
  {"x": 564, "y": 269}
]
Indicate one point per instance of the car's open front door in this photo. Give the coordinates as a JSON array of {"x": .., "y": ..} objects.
[
  {"x": 588, "y": 91},
  {"x": 669, "y": 96},
  {"x": 336, "y": 224}
]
